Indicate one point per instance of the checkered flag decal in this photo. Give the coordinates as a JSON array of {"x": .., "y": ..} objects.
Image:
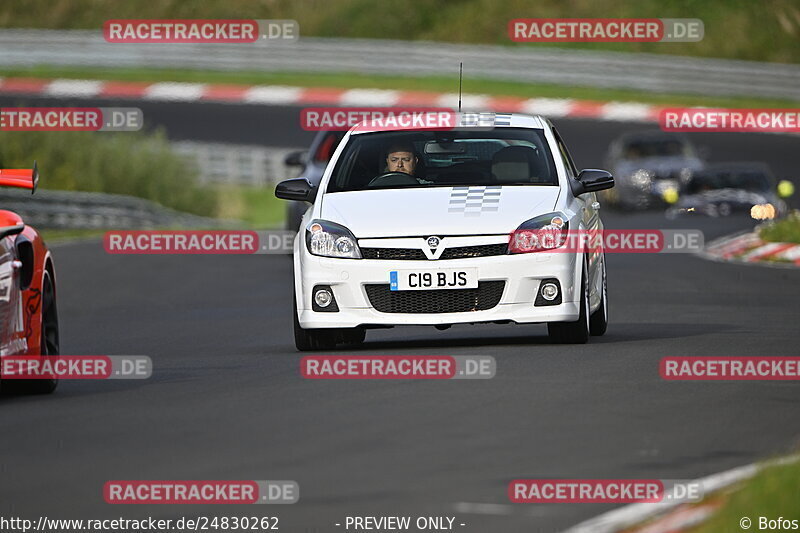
[{"x": 472, "y": 201}]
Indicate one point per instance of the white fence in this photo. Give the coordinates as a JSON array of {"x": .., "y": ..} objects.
[{"x": 237, "y": 164}]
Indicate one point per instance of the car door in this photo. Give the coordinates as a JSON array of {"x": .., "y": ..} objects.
[
  {"x": 590, "y": 217},
  {"x": 10, "y": 305}
]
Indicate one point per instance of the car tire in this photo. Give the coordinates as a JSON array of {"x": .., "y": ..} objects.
[
  {"x": 576, "y": 332},
  {"x": 353, "y": 336},
  {"x": 598, "y": 321},
  {"x": 50, "y": 344},
  {"x": 306, "y": 340}
]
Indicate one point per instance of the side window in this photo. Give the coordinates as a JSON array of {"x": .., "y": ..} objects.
[
  {"x": 565, "y": 157},
  {"x": 343, "y": 169}
]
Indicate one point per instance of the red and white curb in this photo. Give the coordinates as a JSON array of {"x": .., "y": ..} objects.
[
  {"x": 749, "y": 248},
  {"x": 672, "y": 516},
  {"x": 286, "y": 95},
  {"x": 681, "y": 519}
]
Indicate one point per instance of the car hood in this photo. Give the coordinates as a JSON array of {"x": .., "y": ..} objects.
[{"x": 437, "y": 210}]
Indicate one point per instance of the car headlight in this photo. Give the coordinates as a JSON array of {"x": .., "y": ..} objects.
[
  {"x": 762, "y": 212},
  {"x": 540, "y": 234},
  {"x": 641, "y": 178},
  {"x": 328, "y": 239}
]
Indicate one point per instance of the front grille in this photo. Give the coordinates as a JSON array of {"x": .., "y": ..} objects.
[
  {"x": 486, "y": 296},
  {"x": 483, "y": 250},
  {"x": 401, "y": 254},
  {"x": 415, "y": 254}
]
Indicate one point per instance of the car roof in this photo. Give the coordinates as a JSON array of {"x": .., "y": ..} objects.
[{"x": 503, "y": 120}]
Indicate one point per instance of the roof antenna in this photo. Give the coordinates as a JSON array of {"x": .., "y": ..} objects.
[{"x": 460, "y": 72}]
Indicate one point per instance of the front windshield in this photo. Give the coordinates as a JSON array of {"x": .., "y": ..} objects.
[
  {"x": 395, "y": 160},
  {"x": 641, "y": 149}
]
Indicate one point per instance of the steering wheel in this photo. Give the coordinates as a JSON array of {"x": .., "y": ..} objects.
[{"x": 393, "y": 178}]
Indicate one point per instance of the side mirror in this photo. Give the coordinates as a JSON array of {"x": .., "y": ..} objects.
[
  {"x": 295, "y": 159},
  {"x": 299, "y": 189},
  {"x": 591, "y": 180},
  {"x": 10, "y": 224}
]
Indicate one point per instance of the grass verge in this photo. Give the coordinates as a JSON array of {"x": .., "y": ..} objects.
[
  {"x": 256, "y": 206},
  {"x": 785, "y": 230},
  {"x": 428, "y": 83},
  {"x": 770, "y": 494},
  {"x": 56, "y": 236}
]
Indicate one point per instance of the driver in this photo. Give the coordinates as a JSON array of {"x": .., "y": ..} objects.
[{"x": 400, "y": 157}]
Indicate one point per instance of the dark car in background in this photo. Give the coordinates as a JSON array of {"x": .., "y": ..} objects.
[
  {"x": 312, "y": 163},
  {"x": 646, "y": 164},
  {"x": 729, "y": 188}
]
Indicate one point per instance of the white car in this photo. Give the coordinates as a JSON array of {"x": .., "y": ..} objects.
[{"x": 446, "y": 241}]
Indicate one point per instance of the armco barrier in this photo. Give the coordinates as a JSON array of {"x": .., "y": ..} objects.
[
  {"x": 83, "y": 210},
  {"x": 646, "y": 72}
]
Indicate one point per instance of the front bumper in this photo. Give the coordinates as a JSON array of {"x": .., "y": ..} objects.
[{"x": 522, "y": 275}]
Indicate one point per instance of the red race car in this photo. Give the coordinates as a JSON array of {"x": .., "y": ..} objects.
[{"x": 28, "y": 316}]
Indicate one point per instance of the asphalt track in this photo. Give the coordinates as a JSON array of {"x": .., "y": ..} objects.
[{"x": 226, "y": 400}]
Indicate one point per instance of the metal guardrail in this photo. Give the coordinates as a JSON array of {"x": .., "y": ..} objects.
[
  {"x": 647, "y": 72},
  {"x": 85, "y": 210}
]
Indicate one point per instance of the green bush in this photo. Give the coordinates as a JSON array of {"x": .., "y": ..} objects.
[
  {"x": 772, "y": 493},
  {"x": 132, "y": 163},
  {"x": 784, "y": 230}
]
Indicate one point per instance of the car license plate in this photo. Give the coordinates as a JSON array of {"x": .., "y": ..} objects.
[{"x": 422, "y": 280}]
